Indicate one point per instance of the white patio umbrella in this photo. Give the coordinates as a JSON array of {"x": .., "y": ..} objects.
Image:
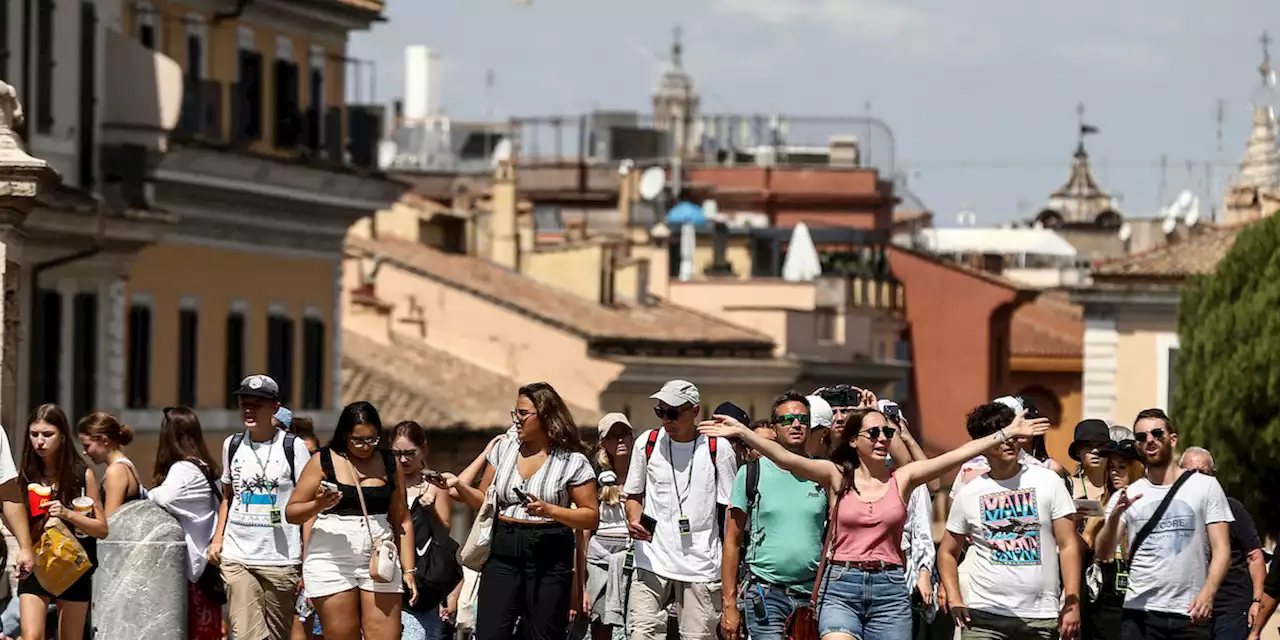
[
  {"x": 688, "y": 244},
  {"x": 802, "y": 263}
]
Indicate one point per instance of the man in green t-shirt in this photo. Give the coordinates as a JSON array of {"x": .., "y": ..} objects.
[{"x": 783, "y": 520}]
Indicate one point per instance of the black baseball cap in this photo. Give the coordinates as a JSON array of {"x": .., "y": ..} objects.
[
  {"x": 259, "y": 386},
  {"x": 733, "y": 411}
]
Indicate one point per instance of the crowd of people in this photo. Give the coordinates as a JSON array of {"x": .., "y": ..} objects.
[{"x": 815, "y": 522}]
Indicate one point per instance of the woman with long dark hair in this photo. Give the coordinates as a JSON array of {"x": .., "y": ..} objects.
[
  {"x": 186, "y": 485},
  {"x": 431, "y": 511},
  {"x": 50, "y": 460},
  {"x": 546, "y": 489},
  {"x": 335, "y": 569},
  {"x": 103, "y": 437},
  {"x": 864, "y": 590}
]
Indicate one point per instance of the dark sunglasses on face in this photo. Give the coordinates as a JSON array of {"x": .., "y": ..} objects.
[
  {"x": 791, "y": 418},
  {"x": 403, "y": 453},
  {"x": 667, "y": 413},
  {"x": 874, "y": 433},
  {"x": 1154, "y": 433},
  {"x": 367, "y": 441}
]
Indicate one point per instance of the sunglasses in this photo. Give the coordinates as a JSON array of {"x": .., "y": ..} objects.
[
  {"x": 519, "y": 417},
  {"x": 1154, "y": 433},
  {"x": 403, "y": 453},
  {"x": 792, "y": 418},
  {"x": 367, "y": 441},
  {"x": 667, "y": 413},
  {"x": 874, "y": 433}
]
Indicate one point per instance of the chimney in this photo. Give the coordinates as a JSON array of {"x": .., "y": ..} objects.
[
  {"x": 608, "y": 259},
  {"x": 505, "y": 243},
  {"x": 719, "y": 246},
  {"x": 626, "y": 194},
  {"x": 642, "y": 283},
  {"x": 842, "y": 151}
]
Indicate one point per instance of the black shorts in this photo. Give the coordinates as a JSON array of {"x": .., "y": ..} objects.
[{"x": 79, "y": 591}]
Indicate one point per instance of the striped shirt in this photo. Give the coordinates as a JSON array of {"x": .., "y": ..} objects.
[{"x": 551, "y": 483}]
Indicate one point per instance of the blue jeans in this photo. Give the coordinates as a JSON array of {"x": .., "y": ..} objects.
[
  {"x": 420, "y": 626},
  {"x": 766, "y": 607},
  {"x": 869, "y": 605},
  {"x": 1231, "y": 626}
]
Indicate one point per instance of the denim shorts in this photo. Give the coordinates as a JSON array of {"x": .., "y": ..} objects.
[{"x": 868, "y": 605}]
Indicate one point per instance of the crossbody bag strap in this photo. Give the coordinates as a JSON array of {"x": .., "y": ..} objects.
[
  {"x": 826, "y": 552},
  {"x": 1159, "y": 513},
  {"x": 360, "y": 494}
]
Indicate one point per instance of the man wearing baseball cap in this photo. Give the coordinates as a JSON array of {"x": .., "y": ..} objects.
[
  {"x": 259, "y": 553},
  {"x": 678, "y": 487}
]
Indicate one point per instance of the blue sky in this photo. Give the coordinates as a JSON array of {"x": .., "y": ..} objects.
[{"x": 981, "y": 94}]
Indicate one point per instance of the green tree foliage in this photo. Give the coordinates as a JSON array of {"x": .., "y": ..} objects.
[{"x": 1228, "y": 369}]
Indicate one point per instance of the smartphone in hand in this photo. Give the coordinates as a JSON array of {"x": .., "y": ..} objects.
[
  {"x": 649, "y": 523},
  {"x": 524, "y": 497},
  {"x": 326, "y": 486}
]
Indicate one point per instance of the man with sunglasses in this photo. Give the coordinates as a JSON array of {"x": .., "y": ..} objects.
[
  {"x": 678, "y": 483},
  {"x": 783, "y": 517},
  {"x": 1177, "y": 557}
]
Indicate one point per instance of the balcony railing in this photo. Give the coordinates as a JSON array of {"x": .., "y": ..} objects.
[{"x": 335, "y": 135}]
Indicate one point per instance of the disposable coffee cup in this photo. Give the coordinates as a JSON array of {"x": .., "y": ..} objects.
[{"x": 83, "y": 504}]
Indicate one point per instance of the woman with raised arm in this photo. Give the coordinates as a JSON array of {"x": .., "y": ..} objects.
[{"x": 863, "y": 589}]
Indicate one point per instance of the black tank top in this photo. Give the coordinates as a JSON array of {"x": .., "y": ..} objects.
[{"x": 377, "y": 499}]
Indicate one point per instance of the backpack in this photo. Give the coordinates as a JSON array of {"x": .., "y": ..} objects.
[
  {"x": 289, "y": 439},
  {"x": 753, "y": 500},
  {"x": 711, "y": 444},
  {"x": 436, "y": 561}
]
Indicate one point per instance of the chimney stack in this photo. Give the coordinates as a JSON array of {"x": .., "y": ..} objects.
[
  {"x": 719, "y": 248},
  {"x": 505, "y": 244},
  {"x": 642, "y": 283}
]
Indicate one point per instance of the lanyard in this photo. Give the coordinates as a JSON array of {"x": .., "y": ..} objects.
[
  {"x": 688, "y": 478},
  {"x": 269, "y": 443}
]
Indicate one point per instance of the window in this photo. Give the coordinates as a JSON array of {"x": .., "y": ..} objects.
[
  {"x": 1167, "y": 346},
  {"x": 235, "y": 355},
  {"x": 84, "y": 373},
  {"x": 148, "y": 32},
  {"x": 825, "y": 329},
  {"x": 44, "y": 66},
  {"x": 139, "y": 370},
  {"x": 316, "y": 100},
  {"x": 288, "y": 117},
  {"x": 280, "y": 354},
  {"x": 88, "y": 91},
  {"x": 188, "y": 353},
  {"x": 46, "y": 348},
  {"x": 196, "y": 34},
  {"x": 246, "y": 115},
  {"x": 4, "y": 39},
  {"x": 313, "y": 363}
]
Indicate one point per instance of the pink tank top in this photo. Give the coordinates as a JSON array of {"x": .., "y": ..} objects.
[{"x": 868, "y": 531}]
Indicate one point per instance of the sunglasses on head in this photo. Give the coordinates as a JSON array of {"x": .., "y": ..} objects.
[
  {"x": 1154, "y": 433},
  {"x": 667, "y": 413},
  {"x": 874, "y": 433},
  {"x": 792, "y": 418}
]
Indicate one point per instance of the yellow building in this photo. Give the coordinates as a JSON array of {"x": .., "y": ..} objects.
[{"x": 264, "y": 172}]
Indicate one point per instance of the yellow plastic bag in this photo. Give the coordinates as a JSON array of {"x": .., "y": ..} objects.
[{"x": 60, "y": 558}]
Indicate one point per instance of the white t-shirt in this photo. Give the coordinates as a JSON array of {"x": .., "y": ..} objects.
[
  {"x": 1010, "y": 525},
  {"x": 260, "y": 481},
  {"x": 691, "y": 486},
  {"x": 7, "y": 469},
  {"x": 1172, "y": 565}
]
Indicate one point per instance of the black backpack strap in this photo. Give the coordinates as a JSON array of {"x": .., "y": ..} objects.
[
  {"x": 1159, "y": 513},
  {"x": 753, "y": 486},
  {"x": 289, "y": 440},
  {"x": 236, "y": 441}
]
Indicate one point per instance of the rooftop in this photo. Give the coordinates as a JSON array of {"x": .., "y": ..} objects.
[
  {"x": 658, "y": 324},
  {"x": 1196, "y": 255},
  {"x": 1050, "y": 326}
]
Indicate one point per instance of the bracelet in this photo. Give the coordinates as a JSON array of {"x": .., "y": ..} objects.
[{"x": 413, "y": 570}]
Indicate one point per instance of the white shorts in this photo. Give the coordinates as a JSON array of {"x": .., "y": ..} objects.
[{"x": 338, "y": 556}]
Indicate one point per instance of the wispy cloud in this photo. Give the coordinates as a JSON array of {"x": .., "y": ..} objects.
[{"x": 907, "y": 29}]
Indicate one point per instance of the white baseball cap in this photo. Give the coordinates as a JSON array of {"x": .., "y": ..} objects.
[
  {"x": 820, "y": 413},
  {"x": 678, "y": 393}
]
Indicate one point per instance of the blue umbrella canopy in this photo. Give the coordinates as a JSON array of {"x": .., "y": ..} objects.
[{"x": 686, "y": 212}]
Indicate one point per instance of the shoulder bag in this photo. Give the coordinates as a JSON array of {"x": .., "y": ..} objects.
[
  {"x": 802, "y": 624},
  {"x": 475, "y": 551},
  {"x": 383, "y": 556},
  {"x": 1159, "y": 513}
]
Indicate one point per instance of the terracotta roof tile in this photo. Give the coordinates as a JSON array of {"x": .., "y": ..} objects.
[
  {"x": 660, "y": 322},
  {"x": 1049, "y": 326},
  {"x": 410, "y": 381},
  {"x": 1196, "y": 255}
]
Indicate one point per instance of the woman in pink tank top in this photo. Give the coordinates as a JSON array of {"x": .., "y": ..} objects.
[{"x": 864, "y": 594}]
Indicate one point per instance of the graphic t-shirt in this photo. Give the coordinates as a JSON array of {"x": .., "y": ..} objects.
[
  {"x": 1172, "y": 565},
  {"x": 260, "y": 482},
  {"x": 1010, "y": 524},
  {"x": 785, "y": 529},
  {"x": 680, "y": 479},
  {"x": 978, "y": 466}
]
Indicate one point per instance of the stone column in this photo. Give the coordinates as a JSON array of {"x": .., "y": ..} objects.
[
  {"x": 21, "y": 178},
  {"x": 140, "y": 585}
]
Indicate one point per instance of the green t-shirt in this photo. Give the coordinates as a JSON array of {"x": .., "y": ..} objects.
[{"x": 785, "y": 531}]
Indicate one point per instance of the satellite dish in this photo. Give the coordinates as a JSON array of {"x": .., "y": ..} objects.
[
  {"x": 652, "y": 182},
  {"x": 502, "y": 151},
  {"x": 1193, "y": 215},
  {"x": 1126, "y": 232},
  {"x": 710, "y": 209},
  {"x": 387, "y": 151},
  {"x": 1169, "y": 225}
]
